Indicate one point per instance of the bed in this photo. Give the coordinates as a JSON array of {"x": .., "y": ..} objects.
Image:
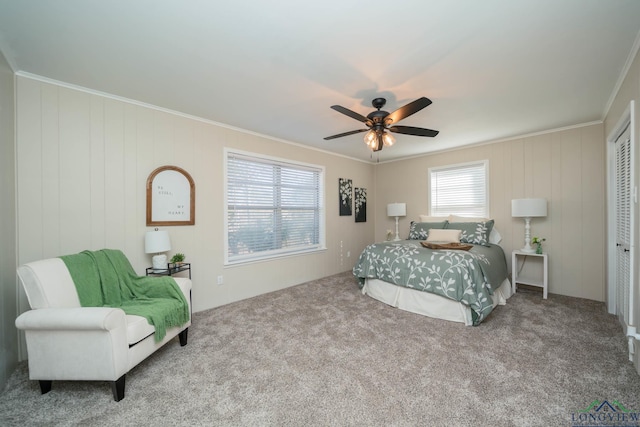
[{"x": 451, "y": 284}]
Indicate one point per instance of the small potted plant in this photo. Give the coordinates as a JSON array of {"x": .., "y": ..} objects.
[
  {"x": 178, "y": 258},
  {"x": 538, "y": 242}
]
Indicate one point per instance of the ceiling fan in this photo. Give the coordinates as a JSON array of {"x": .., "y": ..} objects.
[{"x": 379, "y": 122}]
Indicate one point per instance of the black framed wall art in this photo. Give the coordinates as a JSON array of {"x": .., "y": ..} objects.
[{"x": 345, "y": 193}]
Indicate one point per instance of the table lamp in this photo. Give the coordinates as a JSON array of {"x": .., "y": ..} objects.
[
  {"x": 397, "y": 210},
  {"x": 527, "y": 209},
  {"x": 156, "y": 242}
]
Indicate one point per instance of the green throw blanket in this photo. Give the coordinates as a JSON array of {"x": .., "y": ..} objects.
[{"x": 105, "y": 278}]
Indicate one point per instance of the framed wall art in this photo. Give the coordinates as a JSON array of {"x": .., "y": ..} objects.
[
  {"x": 360, "y": 204},
  {"x": 345, "y": 195},
  {"x": 171, "y": 197}
]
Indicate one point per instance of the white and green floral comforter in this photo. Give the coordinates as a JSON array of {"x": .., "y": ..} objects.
[{"x": 469, "y": 277}]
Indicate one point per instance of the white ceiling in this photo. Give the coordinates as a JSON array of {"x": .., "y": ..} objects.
[{"x": 493, "y": 68}]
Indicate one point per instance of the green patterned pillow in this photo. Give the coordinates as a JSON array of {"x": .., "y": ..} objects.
[
  {"x": 420, "y": 230},
  {"x": 476, "y": 233}
]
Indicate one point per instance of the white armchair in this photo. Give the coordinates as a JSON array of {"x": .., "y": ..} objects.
[{"x": 68, "y": 342}]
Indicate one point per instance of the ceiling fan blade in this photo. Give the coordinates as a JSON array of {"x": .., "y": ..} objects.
[
  {"x": 340, "y": 135},
  {"x": 407, "y": 110},
  {"x": 352, "y": 114},
  {"x": 410, "y": 130}
]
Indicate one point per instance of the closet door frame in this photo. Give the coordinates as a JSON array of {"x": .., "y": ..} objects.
[{"x": 626, "y": 120}]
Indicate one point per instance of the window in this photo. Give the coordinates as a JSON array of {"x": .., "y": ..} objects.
[
  {"x": 273, "y": 207},
  {"x": 459, "y": 190}
]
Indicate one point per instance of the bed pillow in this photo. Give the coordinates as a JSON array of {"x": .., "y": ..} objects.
[
  {"x": 445, "y": 236},
  {"x": 427, "y": 218},
  {"x": 420, "y": 230},
  {"x": 476, "y": 233},
  {"x": 494, "y": 237},
  {"x": 456, "y": 218}
]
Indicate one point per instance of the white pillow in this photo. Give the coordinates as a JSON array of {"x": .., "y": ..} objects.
[
  {"x": 494, "y": 237},
  {"x": 427, "y": 218},
  {"x": 456, "y": 218},
  {"x": 446, "y": 235}
]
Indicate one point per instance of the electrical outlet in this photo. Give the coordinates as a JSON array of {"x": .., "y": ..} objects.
[
  {"x": 348, "y": 254},
  {"x": 220, "y": 280}
]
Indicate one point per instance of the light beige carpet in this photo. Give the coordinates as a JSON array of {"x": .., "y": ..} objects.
[{"x": 323, "y": 354}]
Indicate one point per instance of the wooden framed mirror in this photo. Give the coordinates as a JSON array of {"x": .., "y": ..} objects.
[{"x": 171, "y": 197}]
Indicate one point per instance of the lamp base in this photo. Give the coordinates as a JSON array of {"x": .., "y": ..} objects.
[
  {"x": 397, "y": 234},
  {"x": 159, "y": 262},
  {"x": 527, "y": 237}
]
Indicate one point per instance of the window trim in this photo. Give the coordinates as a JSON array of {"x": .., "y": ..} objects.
[
  {"x": 282, "y": 253},
  {"x": 485, "y": 166}
]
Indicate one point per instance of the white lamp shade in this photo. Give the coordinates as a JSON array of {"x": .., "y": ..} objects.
[
  {"x": 396, "y": 209},
  {"x": 528, "y": 208},
  {"x": 156, "y": 242}
]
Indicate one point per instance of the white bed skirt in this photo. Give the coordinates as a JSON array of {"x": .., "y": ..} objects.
[{"x": 428, "y": 304}]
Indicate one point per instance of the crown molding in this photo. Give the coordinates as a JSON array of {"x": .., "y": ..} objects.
[{"x": 71, "y": 86}]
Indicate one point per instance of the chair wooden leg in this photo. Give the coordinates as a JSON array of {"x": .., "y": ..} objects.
[
  {"x": 183, "y": 337},
  {"x": 45, "y": 386},
  {"x": 117, "y": 387}
]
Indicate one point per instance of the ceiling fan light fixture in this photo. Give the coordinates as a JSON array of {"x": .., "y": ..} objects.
[
  {"x": 371, "y": 139},
  {"x": 388, "y": 139}
]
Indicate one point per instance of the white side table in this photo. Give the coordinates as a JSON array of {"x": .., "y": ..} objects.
[{"x": 540, "y": 282}]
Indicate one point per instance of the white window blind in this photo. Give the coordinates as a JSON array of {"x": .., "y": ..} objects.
[
  {"x": 459, "y": 190},
  {"x": 274, "y": 208}
]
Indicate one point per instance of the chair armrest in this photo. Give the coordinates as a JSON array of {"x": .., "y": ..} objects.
[
  {"x": 184, "y": 284},
  {"x": 76, "y": 318}
]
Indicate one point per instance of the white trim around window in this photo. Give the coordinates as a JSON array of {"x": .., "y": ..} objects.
[{"x": 273, "y": 207}]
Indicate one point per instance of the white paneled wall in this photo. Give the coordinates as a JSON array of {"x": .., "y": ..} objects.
[
  {"x": 566, "y": 167},
  {"x": 83, "y": 160}
]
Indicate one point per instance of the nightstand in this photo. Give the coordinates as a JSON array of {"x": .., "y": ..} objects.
[
  {"x": 541, "y": 281},
  {"x": 170, "y": 270}
]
